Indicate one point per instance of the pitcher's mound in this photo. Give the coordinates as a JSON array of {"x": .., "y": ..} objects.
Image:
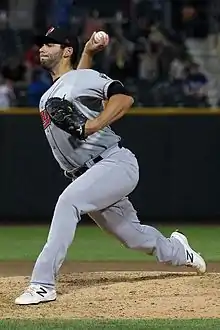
[{"x": 119, "y": 295}]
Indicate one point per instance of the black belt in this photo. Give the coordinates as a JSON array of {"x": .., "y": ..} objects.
[{"x": 84, "y": 168}]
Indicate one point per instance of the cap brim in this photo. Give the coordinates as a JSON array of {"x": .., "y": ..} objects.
[{"x": 41, "y": 40}]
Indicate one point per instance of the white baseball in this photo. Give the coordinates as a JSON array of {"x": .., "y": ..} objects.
[{"x": 101, "y": 37}]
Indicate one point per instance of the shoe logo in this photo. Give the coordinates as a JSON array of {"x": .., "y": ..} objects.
[
  {"x": 41, "y": 292},
  {"x": 189, "y": 256}
]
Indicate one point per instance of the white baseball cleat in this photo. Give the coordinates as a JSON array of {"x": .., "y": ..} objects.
[
  {"x": 193, "y": 259},
  {"x": 36, "y": 294}
]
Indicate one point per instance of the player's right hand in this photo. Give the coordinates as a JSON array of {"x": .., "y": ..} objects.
[{"x": 92, "y": 46}]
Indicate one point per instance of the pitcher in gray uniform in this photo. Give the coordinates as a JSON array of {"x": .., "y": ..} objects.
[{"x": 103, "y": 173}]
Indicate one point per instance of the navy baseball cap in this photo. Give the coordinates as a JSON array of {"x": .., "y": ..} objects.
[{"x": 58, "y": 35}]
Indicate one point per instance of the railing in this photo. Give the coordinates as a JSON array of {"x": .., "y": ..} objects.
[{"x": 132, "y": 111}]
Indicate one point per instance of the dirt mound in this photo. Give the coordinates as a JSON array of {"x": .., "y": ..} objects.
[{"x": 119, "y": 295}]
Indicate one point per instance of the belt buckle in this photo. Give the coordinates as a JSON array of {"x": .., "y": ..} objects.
[{"x": 89, "y": 163}]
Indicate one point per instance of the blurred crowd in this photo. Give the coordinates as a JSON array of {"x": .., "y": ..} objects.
[{"x": 151, "y": 61}]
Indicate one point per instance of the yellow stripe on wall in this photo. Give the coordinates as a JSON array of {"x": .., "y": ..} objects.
[{"x": 132, "y": 112}]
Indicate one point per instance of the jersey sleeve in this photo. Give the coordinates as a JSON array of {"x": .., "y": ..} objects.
[{"x": 95, "y": 84}]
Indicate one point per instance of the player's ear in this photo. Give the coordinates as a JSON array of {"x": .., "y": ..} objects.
[{"x": 68, "y": 51}]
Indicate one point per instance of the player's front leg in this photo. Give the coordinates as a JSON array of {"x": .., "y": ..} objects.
[
  {"x": 121, "y": 220},
  {"x": 61, "y": 234},
  {"x": 92, "y": 191}
]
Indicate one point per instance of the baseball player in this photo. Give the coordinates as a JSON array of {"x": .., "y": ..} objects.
[{"x": 102, "y": 172}]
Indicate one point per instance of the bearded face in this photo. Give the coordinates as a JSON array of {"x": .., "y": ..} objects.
[{"x": 50, "y": 56}]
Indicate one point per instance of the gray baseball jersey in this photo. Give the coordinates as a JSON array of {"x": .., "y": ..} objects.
[{"x": 87, "y": 89}]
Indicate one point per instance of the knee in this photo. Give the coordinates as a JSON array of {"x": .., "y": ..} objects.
[
  {"x": 130, "y": 245},
  {"x": 138, "y": 246},
  {"x": 68, "y": 199},
  {"x": 139, "y": 243},
  {"x": 64, "y": 202}
]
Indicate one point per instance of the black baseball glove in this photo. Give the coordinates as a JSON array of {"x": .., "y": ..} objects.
[{"x": 66, "y": 116}]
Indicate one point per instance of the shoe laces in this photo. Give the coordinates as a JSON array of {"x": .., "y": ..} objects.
[{"x": 30, "y": 289}]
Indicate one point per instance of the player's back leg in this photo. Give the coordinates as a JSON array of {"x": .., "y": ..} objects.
[{"x": 121, "y": 220}]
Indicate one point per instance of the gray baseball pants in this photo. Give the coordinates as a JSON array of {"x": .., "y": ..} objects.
[{"x": 101, "y": 192}]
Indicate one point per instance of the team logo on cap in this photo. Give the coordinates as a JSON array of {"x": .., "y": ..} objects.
[{"x": 50, "y": 30}]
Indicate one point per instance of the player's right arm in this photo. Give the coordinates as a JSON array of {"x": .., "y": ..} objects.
[{"x": 90, "y": 49}]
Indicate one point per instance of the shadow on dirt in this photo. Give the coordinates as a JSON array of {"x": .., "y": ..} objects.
[{"x": 68, "y": 281}]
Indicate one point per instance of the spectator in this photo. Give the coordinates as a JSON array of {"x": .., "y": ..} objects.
[
  {"x": 195, "y": 87},
  {"x": 32, "y": 57},
  {"x": 118, "y": 59},
  {"x": 92, "y": 23},
  {"x": 7, "y": 97},
  {"x": 195, "y": 19},
  {"x": 148, "y": 62},
  {"x": 60, "y": 11},
  {"x": 120, "y": 55},
  {"x": 36, "y": 89},
  {"x": 177, "y": 69},
  {"x": 16, "y": 72}
]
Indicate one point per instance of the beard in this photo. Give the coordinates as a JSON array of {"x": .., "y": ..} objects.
[{"x": 49, "y": 63}]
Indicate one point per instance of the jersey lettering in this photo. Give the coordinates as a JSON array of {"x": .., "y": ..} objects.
[{"x": 45, "y": 119}]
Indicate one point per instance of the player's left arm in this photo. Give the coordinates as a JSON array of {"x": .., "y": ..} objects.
[{"x": 119, "y": 102}]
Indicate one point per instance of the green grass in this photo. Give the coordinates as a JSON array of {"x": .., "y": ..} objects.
[
  {"x": 91, "y": 243},
  {"x": 205, "y": 324}
]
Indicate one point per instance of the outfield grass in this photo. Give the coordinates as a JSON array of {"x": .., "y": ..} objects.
[
  {"x": 206, "y": 324},
  {"x": 25, "y": 243}
]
